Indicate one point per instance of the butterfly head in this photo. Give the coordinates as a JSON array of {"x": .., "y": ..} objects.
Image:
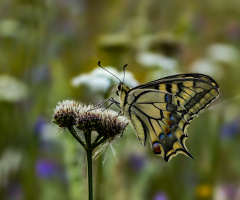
[{"x": 122, "y": 89}]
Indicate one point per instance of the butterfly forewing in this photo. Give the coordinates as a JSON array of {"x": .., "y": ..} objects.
[{"x": 163, "y": 109}]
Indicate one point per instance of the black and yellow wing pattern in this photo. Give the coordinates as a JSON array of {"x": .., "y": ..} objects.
[{"x": 162, "y": 109}]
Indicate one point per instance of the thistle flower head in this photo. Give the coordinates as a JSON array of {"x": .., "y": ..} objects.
[
  {"x": 106, "y": 123},
  {"x": 65, "y": 113}
]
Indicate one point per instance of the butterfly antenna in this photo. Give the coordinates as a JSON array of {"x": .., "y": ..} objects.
[
  {"x": 108, "y": 71},
  {"x": 124, "y": 71}
]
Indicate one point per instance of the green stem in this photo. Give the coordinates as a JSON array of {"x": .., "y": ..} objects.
[
  {"x": 95, "y": 144},
  {"x": 89, "y": 150},
  {"x": 75, "y": 135},
  {"x": 97, "y": 139}
]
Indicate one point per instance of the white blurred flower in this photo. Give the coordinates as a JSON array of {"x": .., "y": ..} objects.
[
  {"x": 8, "y": 27},
  {"x": 12, "y": 89},
  {"x": 100, "y": 81},
  {"x": 226, "y": 191},
  {"x": 10, "y": 161},
  {"x": 46, "y": 129},
  {"x": 223, "y": 53},
  {"x": 162, "y": 65},
  {"x": 219, "y": 194},
  {"x": 157, "y": 60},
  {"x": 207, "y": 66}
]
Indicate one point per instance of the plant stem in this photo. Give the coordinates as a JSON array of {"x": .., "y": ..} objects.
[
  {"x": 75, "y": 135},
  {"x": 95, "y": 144},
  {"x": 89, "y": 149},
  {"x": 89, "y": 164},
  {"x": 90, "y": 183}
]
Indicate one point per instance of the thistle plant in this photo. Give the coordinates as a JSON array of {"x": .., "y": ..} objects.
[{"x": 96, "y": 127}]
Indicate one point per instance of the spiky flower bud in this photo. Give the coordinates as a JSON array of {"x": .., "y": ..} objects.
[
  {"x": 65, "y": 114},
  {"x": 106, "y": 123}
]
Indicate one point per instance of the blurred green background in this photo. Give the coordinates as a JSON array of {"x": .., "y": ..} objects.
[{"x": 45, "y": 44}]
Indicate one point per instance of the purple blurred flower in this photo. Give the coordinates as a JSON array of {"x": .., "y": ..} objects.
[
  {"x": 40, "y": 74},
  {"x": 226, "y": 191},
  {"x": 46, "y": 143},
  {"x": 15, "y": 192},
  {"x": 137, "y": 162},
  {"x": 230, "y": 191},
  {"x": 198, "y": 23},
  {"x": 233, "y": 30},
  {"x": 46, "y": 168},
  {"x": 39, "y": 125},
  {"x": 160, "y": 196},
  {"x": 231, "y": 129}
]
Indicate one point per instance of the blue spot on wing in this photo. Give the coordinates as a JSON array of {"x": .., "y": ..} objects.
[
  {"x": 161, "y": 136},
  {"x": 166, "y": 98}
]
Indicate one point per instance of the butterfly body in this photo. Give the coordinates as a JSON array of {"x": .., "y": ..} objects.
[{"x": 162, "y": 109}]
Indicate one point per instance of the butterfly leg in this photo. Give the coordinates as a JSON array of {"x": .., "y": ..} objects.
[
  {"x": 115, "y": 102},
  {"x": 107, "y": 106},
  {"x": 112, "y": 102},
  {"x": 105, "y": 101},
  {"x": 100, "y": 104},
  {"x": 120, "y": 113}
]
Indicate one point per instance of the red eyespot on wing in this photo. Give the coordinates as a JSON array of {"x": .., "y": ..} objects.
[{"x": 156, "y": 148}]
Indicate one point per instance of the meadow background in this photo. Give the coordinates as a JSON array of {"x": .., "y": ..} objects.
[{"x": 45, "y": 48}]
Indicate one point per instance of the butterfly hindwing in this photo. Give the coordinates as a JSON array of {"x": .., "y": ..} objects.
[
  {"x": 161, "y": 124},
  {"x": 139, "y": 127},
  {"x": 163, "y": 109}
]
